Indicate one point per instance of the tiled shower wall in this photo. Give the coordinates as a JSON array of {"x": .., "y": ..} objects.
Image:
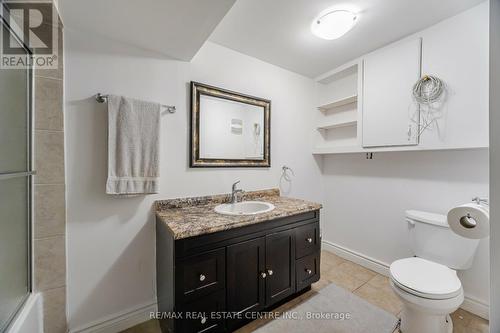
[{"x": 49, "y": 249}]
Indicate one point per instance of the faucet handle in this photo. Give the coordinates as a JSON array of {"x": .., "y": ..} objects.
[{"x": 235, "y": 184}]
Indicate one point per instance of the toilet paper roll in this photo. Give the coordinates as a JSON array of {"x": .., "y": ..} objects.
[{"x": 470, "y": 221}]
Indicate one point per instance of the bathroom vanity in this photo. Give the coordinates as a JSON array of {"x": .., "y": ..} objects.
[{"x": 216, "y": 272}]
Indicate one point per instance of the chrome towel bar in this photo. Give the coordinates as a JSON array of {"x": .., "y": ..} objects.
[{"x": 100, "y": 98}]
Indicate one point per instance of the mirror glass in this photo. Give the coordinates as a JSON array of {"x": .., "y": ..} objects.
[{"x": 228, "y": 128}]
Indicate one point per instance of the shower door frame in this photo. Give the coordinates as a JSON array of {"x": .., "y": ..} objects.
[{"x": 29, "y": 165}]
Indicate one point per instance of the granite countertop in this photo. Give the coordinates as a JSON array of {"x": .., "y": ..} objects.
[{"x": 189, "y": 217}]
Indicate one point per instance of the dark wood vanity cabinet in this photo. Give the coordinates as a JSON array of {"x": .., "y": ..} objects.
[{"x": 217, "y": 282}]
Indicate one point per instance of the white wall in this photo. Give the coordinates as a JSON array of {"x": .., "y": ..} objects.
[
  {"x": 366, "y": 199},
  {"x": 111, "y": 264},
  {"x": 495, "y": 164}
]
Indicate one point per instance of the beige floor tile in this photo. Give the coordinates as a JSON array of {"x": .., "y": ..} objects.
[
  {"x": 382, "y": 297},
  {"x": 356, "y": 271},
  {"x": 331, "y": 259},
  {"x": 479, "y": 325},
  {"x": 461, "y": 318},
  {"x": 380, "y": 281},
  {"x": 460, "y": 329},
  {"x": 325, "y": 267},
  {"x": 343, "y": 279}
]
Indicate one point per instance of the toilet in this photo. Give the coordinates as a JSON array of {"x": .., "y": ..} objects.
[{"x": 427, "y": 284}]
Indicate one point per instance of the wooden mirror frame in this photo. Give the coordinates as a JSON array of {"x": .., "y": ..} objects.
[{"x": 198, "y": 89}]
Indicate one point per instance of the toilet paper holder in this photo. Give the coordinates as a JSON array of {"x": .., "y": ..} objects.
[
  {"x": 468, "y": 221},
  {"x": 479, "y": 201}
]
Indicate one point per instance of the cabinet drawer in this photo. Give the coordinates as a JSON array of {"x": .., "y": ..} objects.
[
  {"x": 307, "y": 270},
  {"x": 307, "y": 240},
  {"x": 200, "y": 275},
  {"x": 204, "y": 314}
]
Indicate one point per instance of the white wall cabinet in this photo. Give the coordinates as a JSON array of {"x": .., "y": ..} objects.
[
  {"x": 388, "y": 78},
  {"x": 454, "y": 50}
]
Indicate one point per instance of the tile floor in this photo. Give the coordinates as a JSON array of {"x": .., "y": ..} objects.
[{"x": 363, "y": 282}]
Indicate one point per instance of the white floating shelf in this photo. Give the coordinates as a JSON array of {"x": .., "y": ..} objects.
[
  {"x": 325, "y": 150},
  {"x": 338, "y": 124},
  {"x": 336, "y": 150},
  {"x": 339, "y": 102}
]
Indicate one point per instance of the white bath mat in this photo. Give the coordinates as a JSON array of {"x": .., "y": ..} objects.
[{"x": 333, "y": 310}]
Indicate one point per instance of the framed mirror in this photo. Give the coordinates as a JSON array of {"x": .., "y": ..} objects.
[{"x": 228, "y": 129}]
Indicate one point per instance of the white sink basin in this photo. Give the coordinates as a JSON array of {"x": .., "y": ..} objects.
[{"x": 244, "y": 208}]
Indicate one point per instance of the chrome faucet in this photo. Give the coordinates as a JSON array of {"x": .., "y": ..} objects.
[{"x": 235, "y": 192}]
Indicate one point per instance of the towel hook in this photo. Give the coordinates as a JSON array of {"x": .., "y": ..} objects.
[{"x": 285, "y": 170}]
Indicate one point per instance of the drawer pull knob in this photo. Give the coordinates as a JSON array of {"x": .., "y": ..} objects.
[
  {"x": 309, "y": 240},
  {"x": 308, "y": 271},
  {"x": 263, "y": 275},
  {"x": 203, "y": 320},
  {"x": 202, "y": 277},
  {"x": 270, "y": 272}
]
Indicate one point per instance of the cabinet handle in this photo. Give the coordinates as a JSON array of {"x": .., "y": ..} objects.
[
  {"x": 308, "y": 271},
  {"x": 309, "y": 240},
  {"x": 409, "y": 132},
  {"x": 202, "y": 277},
  {"x": 203, "y": 320},
  {"x": 270, "y": 272},
  {"x": 263, "y": 275}
]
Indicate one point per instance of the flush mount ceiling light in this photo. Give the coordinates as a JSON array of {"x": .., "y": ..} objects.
[{"x": 333, "y": 24}]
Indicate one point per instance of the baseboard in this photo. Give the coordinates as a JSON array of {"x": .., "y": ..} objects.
[
  {"x": 470, "y": 304},
  {"x": 360, "y": 259},
  {"x": 120, "y": 321},
  {"x": 476, "y": 307}
]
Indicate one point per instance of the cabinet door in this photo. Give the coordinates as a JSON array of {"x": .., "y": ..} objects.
[
  {"x": 280, "y": 266},
  {"x": 245, "y": 282},
  {"x": 388, "y": 79}
]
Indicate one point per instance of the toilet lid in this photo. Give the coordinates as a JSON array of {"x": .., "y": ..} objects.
[{"x": 425, "y": 278}]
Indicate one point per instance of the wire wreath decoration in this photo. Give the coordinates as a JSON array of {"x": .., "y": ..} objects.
[{"x": 429, "y": 93}]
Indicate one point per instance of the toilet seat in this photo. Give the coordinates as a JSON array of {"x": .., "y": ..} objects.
[{"x": 426, "y": 279}]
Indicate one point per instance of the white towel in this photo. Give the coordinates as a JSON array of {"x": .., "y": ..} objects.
[{"x": 133, "y": 146}]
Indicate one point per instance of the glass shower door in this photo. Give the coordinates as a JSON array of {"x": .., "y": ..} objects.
[{"x": 15, "y": 190}]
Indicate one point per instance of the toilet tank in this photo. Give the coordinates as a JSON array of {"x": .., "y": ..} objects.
[{"x": 431, "y": 238}]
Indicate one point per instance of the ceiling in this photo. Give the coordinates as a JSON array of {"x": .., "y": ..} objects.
[
  {"x": 277, "y": 31},
  {"x": 174, "y": 28}
]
